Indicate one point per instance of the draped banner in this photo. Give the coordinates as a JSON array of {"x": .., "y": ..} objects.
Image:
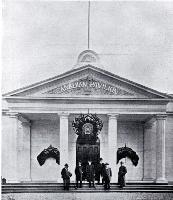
[
  {"x": 50, "y": 152},
  {"x": 124, "y": 152}
]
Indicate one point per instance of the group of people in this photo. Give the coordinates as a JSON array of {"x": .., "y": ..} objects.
[{"x": 93, "y": 173}]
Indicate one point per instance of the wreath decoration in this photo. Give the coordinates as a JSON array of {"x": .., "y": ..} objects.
[{"x": 93, "y": 119}]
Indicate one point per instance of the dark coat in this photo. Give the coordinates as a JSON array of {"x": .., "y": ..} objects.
[
  {"x": 121, "y": 176},
  {"x": 99, "y": 171},
  {"x": 65, "y": 174},
  {"x": 107, "y": 174},
  {"x": 78, "y": 172},
  {"x": 90, "y": 172}
]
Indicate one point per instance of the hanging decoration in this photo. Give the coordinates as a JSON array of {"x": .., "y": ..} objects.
[
  {"x": 87, "y": 124},
  {"x": 124, "y": 152},
  {"x": 50, "y": 152}
]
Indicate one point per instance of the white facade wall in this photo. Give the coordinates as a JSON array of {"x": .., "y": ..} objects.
[
  {"x": 46, "y": 132},
  {"x": 131, "y": 134},
  {"x": 43, "y": 134}
]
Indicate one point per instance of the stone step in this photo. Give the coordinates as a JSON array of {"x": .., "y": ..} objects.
[
  {"x": 136, "y": 186},
  {"x": 85, "y": 182},
  {"x": 73, "y": 185},
  {"x": 58, "y": 187},
  {"x": 86, "y": 191}
]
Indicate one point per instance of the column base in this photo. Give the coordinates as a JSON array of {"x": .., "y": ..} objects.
[
  {"x": 26, "y": 180},
  {"x": 150, "y": 180},
  {"x": 59, "y": 180},
  {"x": 13, "y": 181},
  {"x": 161, "y": 180},
  {"x": 114, "y": 177}
]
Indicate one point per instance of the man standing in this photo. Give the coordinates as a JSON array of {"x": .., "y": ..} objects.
[
  {"x": 65, "y": 174},
  {"x": 90, "y": 173},
  {"x": 107, "y": 174},
  {"x": 121, "y": 175},
  {"x": 78, "y": 172},
  {"x": 98, "y": 170}
]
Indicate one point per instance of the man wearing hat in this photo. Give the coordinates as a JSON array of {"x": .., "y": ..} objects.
[
  {"x": 121, "y": 175},
  {"x": 107, "y": 174},
  {"x": 65, "y": 174}
]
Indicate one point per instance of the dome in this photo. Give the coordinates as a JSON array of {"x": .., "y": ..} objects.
[{"x": 87, "y": 56}]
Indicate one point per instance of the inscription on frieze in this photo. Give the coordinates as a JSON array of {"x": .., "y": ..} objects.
[{"x": 89, "y": 86}]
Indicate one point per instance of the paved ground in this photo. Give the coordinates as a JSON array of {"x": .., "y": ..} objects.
[{"x": 89, "y": 196}]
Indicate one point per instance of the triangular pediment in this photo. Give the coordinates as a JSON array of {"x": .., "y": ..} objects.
[
  {"x": 89, "y": 85},
  {"x": 85, "y": 82}
]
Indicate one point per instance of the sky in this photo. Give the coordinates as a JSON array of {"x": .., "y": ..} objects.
[{"x": 42, "y": 39}]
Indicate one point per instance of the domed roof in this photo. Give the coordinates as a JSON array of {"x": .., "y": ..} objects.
[{"x": 88, "y": 56}]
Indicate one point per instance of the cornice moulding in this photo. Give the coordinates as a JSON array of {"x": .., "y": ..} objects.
[{"x": 85, "y": 98}]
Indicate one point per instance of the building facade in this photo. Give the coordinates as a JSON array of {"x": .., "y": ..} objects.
[{"x": 41, "y": 115}]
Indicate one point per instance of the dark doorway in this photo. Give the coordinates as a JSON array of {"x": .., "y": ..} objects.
[
  {"x": 87, "y": 127},
  {"x": 87, "y": 149}
]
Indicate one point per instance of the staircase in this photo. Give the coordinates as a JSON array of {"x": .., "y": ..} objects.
[{"x": 58, "y": 188}]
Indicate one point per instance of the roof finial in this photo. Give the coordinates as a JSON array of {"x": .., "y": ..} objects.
[{"x": 89, "y": 24}]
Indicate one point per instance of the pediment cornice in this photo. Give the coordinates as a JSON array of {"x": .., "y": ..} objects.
[{"x": 87, "y": 81}]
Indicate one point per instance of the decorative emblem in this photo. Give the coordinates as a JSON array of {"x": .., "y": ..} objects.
[
  {"x": 88, "y": 58},
  {"x": 87, "y": 128},
  {"x": 50, "y": 152},
  {"x": 87, "y": 124}
]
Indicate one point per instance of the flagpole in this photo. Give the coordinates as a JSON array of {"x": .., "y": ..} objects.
[{"x": 88, "y": 24}]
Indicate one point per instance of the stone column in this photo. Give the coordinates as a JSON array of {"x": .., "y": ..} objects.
[
  {"x": 112, "y": 145},
  {"x": 25, "y": 154},
  {"x": 160, "y": 149},
  {"x": 63, "y": 139},
  {"x": 12, "y": 148},
  {"x": 149, "y": 151}
]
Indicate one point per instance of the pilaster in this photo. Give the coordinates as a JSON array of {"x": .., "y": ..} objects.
[
  {"x": 160, "y": 149},
  {"x": 12, "y": 148},
  {"x": 112, "y": 145},
  {"x": 149, "y": 151},
  {"x": 63, "y": 138},
  {"x": 25, "y": 154}
]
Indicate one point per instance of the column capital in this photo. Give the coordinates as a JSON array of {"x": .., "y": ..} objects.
[
  {"x": 148, "y": 125},
  {"x": 113, "y": 115},
  {"x": 23, "y": 119},
  {"x": 26, "y": 123},
  {"x": 161, "y": 117},
  {"x": 13, "y": 114},
  {"x": 63, "y": 114}
]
